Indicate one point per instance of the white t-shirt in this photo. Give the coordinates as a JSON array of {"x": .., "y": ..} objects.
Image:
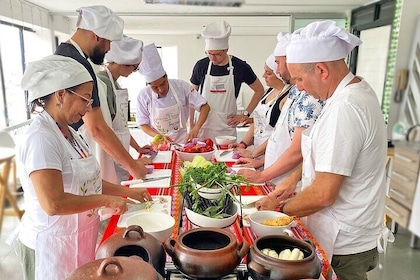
[
  {"x": 189, "y": 97},
  {"x": 39, "y": 149},
  {"x": 350, "y": 139}
]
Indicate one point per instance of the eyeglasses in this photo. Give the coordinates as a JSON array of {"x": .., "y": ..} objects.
[
  {"x": 89, "y": 101},
  {"x": 219, "y": 54}
]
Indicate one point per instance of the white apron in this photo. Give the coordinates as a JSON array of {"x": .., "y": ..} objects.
[
  {"x": 70, "y": 241},
  {"x": 323, "y": 226},
  {"x": 262, "y": 113},
  {"x": 220, "y": 94},
  {"x": 279, "y": 141},
  {"x": 120, "y": 126},
  {"x": 169, "y": 121},
  {"x": 106, "y": 161}
]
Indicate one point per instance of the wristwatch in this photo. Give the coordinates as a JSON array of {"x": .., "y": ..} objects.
[{"x": 246, "y": 113}]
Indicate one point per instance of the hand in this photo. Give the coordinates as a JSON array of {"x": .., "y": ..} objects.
[
  {"x": 192, "y": 134},
  {"x": 243, "y": 153},
  {"x": 248, "y": 162},
  {"x": 140, "y": 194},
  {"x": 268, "y": 202},
  {"x": 145, "y": 160},
  {"x": 236, "y": 145},
  {"x": 145, "y": 149},
  {"x": 119, "y": 204},
  {"x": 168, "y": 139},
  {"x": 252, "y": 175},
  {"x": 140, "y": 171},
  {"x": 235, "y": 119},
  {"x": 284, "y": 191}
]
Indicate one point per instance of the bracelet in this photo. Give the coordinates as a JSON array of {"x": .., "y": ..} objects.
[
  {"x": 243, "y": 143},
  {"x": 281, "y": 208}
]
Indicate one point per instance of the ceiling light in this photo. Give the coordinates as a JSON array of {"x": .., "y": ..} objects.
[{"x": 225, "y": 3}]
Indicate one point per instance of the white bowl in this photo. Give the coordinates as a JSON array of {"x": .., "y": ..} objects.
[
  {"x": 261, "y": 230},
  {"x": 211, "y": 193},
  {"x": 225, "y": 140},
  {"x": 204, "y": 221},
  {"x": 190, "y": 156},
  {"x": 159, "y": 225}
]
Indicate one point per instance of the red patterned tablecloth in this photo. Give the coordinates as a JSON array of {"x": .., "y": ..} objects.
[{"x": 177, "y": 211}]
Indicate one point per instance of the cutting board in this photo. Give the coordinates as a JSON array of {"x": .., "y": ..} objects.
[
  {"x": 163, "y": 157},
  {"x": 163, "y": 183},
  {"x": 162, "y": 205},
  {"x": 227, "y": 157}
]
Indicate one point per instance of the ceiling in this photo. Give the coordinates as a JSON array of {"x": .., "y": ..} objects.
[{"x": 141, "y": 18}]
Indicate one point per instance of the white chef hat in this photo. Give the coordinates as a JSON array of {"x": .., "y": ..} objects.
[
  {"x": 216, "y": 35},
  {"x": 283, "y": 40},
  {"x": 151, "y": 65},
  {"x": 53, "y": 73},
  {"x": 101, "y": 21},
  {"x": 128, "y": 51},
  {"x": 271, "y": 63},
  {"x": 320, "y": 41}
]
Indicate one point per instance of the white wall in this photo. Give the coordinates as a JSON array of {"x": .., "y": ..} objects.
[{"x": 253, "y": 49}]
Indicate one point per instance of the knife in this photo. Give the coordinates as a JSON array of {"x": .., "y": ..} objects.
[
  {"x": 224, "y": 153},
  {"x": 153, "y": 155},
  {"x": 138, "y": 181}
]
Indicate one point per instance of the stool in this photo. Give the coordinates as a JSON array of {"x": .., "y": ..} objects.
[{"x": 6, "y": 158}]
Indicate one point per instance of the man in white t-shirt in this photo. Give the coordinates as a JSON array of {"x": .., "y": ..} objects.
[{"x": 344, "y": 153}]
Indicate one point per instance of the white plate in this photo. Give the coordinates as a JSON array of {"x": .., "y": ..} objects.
[
  {"x": 163, "y": 205},
  {"x": 227, "y": 157},
  {"x": 246, "y": 211},
  {"x": 163, "y": 183},
  {"x": 163, "y": 157}
]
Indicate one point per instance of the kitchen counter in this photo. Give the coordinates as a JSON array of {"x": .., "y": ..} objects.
[{"x": 242, "y": 233}]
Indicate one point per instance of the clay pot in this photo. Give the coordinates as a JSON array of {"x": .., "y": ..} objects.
[
  {"x": 128, "y": 268},
  {"x": 206, "y": 253},
  {"x": 263, "y": 267},
  {"x": 133, "y": 241}
]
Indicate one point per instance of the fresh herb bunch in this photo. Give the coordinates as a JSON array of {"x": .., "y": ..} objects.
[{"x": 212, "y": 176}]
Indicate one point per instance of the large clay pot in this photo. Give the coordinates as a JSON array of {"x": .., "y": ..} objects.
[
  {"x": 206, "y": 253},
  {"x": 263, "y": 267},
  {"x": 133, "y": 241},
  {"x": 127, "y": 268}
]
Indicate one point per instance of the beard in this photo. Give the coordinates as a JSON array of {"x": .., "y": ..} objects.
[{"x": 98, "y": 56}]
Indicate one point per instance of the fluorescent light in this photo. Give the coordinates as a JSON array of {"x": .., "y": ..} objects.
[{"x": 225, "y": 3}]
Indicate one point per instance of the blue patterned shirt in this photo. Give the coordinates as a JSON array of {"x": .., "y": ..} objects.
[{"x": 304, "y": 110}]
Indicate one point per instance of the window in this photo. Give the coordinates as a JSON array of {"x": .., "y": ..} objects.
[{"x": 14, "y": 56}]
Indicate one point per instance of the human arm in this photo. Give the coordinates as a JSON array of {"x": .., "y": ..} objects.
[
  {"x": 49, "y": 189},
  {"x": 288, "y": 160},
  {"x": 204, "y": 112},
  {"x": 109, "y": 142},
  {"x": 320, "y": 194},
  {"x": 139, "y": 194},
  {"x": 258, "y": 89}
]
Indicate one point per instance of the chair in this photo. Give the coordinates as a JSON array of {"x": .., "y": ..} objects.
[{"x": 7, "y": 168}]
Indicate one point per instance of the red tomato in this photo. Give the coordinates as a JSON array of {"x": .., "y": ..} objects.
[
  {"x": 202, "y": 150},
  {"x": 195, "y": 149},
  {"x": 209, "y": 142},
  {"x": 187, "y": 150}
]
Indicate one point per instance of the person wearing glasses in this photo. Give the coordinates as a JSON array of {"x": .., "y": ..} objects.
[
  {"x": 163, "y": 106},
  {"x": 97, "y": 27},
  {"x": 60, "y": 176},
  {"x": 122, "y": 59},
  {"x": 219, "y": 77}
]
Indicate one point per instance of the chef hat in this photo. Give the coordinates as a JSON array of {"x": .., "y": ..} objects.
[
  {"x": 283, "y": 40},
  {"x": 216, "y": 35},
  {"x": 53, "y": 73},
  {"x": 271, "y": 63},
  {"x": 151, "y": 65},
  {"x": 319, "y": 42},
  {"x": 128, "y": 51},
  {"x": 101, "y": 21}
]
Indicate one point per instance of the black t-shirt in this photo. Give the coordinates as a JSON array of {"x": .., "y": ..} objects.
[
  {"x": 275, "y": 113},
  {"x": 69, "y": 50},
  {"x": 242, "y": 72}
]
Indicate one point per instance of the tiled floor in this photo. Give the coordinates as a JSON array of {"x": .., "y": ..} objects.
[{"x": 401, "y": 261}]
